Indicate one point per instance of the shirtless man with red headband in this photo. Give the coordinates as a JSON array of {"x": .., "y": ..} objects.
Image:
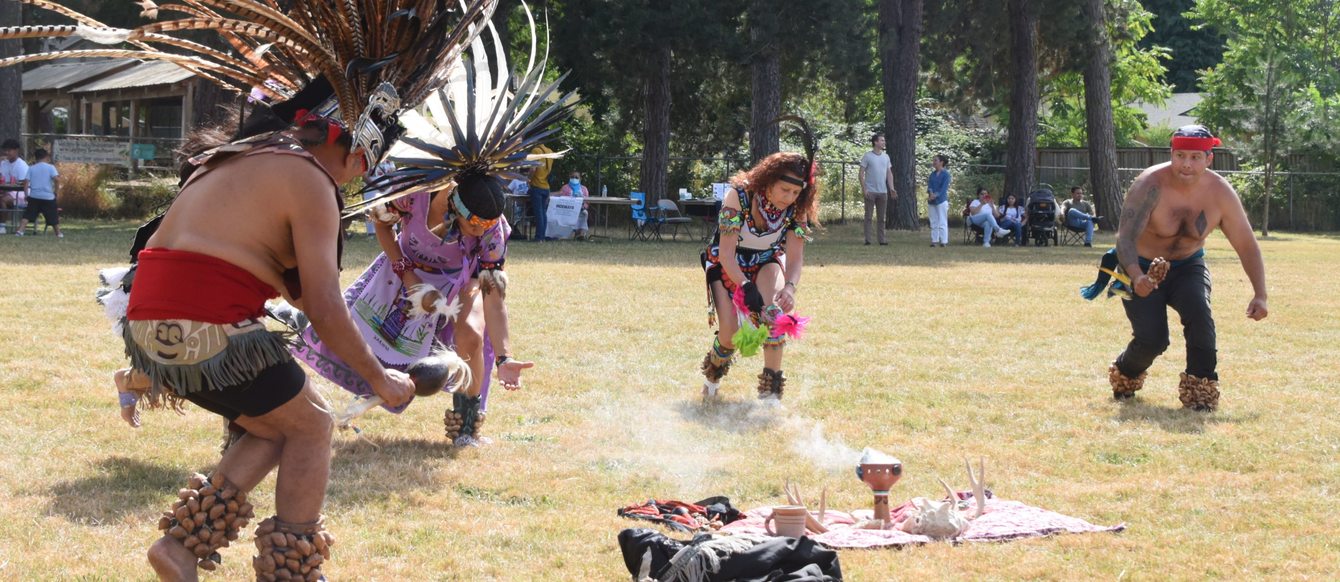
[
  {"x": 194, "y": 325},
  {"x": 1169, "y": 212}
]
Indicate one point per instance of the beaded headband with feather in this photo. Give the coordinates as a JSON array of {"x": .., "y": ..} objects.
[
  {"x": 811, "y": 149},
  {"x": 377, "y": 57}
]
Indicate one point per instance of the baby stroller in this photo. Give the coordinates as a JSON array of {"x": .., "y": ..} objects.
[{"x": 1042, "y": 216}]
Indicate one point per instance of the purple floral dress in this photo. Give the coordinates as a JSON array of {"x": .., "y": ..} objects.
[{"x": 380, "y": 303}]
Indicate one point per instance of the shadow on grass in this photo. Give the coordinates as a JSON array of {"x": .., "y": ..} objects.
[
  {"x": 736, "y": 416},
  {"x": 121, "y": 487},
  {"x": 1178, "y": 419},
  {"x": 367, "y": 469}
]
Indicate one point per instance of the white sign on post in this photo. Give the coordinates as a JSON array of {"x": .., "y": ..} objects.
[
  {"x": 92, "y": 151},
  {"x": 564, "y": 212}
]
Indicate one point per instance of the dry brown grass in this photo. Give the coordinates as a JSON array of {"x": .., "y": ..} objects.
[
  {"x": 928, "y": 354},
  {"x": 81, "y": 193}
]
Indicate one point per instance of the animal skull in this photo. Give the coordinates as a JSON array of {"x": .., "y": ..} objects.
[
  {"x": 941, "y": 519},
  {"x": 935, "y": 519}
]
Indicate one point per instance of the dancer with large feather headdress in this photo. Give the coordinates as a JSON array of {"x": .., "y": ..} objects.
[
  {"x": 440, "y": 282},
  {"x": 258, "y": 215},
  {"x": 754, "y": 262}
]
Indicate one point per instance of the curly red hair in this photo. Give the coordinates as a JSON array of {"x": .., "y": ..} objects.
[{"x": 769, "y": 170}]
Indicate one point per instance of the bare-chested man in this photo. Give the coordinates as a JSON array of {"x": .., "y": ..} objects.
[
  {"x": 194, "y": 327},
  {"x": 1169, "y": 212}
]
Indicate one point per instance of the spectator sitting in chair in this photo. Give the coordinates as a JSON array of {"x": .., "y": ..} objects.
[
  {"x": 42, "y": 181},
  {"x": 1013, "y": 216},
  {"x": 1078, "y": 214},
  {"x": 574, "y": 187},
  {"x": 13, "y": 176},
  {"x": 982, "y": 213}
]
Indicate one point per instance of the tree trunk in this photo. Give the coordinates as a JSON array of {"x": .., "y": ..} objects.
[
  {"x": 11, "y": 78},
  {"x": 1021, "y": 144},
  {"x": 900, "y": 61},
  {"x": 1106, "y": 186},
  {"x": 656, "y": 134},
  {"x": 766, "y": 82}
]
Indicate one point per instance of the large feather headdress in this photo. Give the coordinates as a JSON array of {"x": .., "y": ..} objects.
[
  {"x": 484, "y": 122},
  {"x": 374, "y": 58}
]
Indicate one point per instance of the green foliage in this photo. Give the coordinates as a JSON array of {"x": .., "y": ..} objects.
[
  {"x": 1278, "y": 86},
  {"x": 1191, "y": 49},
  {"x": 143, "y": 201},
  {"x": 1136, "y": 76}
]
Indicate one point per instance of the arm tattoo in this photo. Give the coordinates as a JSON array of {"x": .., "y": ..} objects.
[
  {"x": 1134, "y": 219},
  {"x": 1201, "y": 224}
]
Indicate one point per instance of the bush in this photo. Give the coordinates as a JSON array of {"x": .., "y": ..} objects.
[
  {"x": 81, "y": 190},
  {"x": 143, "y": 201}
]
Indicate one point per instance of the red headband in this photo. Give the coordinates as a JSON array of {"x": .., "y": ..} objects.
[
  {"x": 333, "y": 128},
  {"x": 1204, "y": 144}
]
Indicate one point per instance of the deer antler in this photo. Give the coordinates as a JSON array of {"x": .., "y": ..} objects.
[{"x": 978, "y": 483}]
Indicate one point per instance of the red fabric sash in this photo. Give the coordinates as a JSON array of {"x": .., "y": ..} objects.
[
  {"x": 1202, "y": 144},
  {"x": 184, "y": 285}
]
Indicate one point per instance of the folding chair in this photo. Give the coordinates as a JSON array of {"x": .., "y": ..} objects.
[
  {"x": 644, "y": 225},
  {"x": 670, "y": 215},
  {"x": 1071, "y": 235},
  {"x": 972, "y": 234}
]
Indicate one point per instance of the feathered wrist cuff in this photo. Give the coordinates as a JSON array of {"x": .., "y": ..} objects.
[
  {"x": 399, "y": 266},
  {"x": 491, "y": 280}
]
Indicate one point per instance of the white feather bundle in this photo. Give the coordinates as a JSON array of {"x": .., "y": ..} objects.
[
  {"x": 439, "y": 306},
  {"x": 112, "y": 276},
  {"x": 114, "y": 304}
]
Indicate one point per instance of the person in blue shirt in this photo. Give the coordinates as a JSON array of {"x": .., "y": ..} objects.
[
  {"x": 937, "y": 202},
  {"x": 42, "y": 182}
]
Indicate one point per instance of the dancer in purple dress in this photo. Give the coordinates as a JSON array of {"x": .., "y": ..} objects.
[{"x": 438, "y": 285}]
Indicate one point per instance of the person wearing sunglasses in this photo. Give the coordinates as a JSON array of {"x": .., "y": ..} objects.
[{"x": 439, "y": 283}]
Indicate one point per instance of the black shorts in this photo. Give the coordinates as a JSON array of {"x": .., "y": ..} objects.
[
  {"x": 47, "y": 208},
  {"x": 270, "y": 389}
]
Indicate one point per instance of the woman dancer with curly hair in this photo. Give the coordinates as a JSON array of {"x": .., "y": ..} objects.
[{"x": 757, "y": 255}]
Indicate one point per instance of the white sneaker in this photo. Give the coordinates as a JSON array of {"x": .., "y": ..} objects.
[
  {"x": 986, "y": 244},
  {"x": 466, "y": 440},
  {"x": 1002, "y": 233},
  {"x": 19, "y": 233},
  {"x": 710, "y": 391}
]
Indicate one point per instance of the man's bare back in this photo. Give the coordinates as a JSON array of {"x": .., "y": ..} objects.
[{"x": 216, "y": 214}]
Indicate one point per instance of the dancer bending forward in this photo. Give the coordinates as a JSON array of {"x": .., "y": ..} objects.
[
  {"x": 439, "y": 283},
  {"x": 759, "y": 248}
]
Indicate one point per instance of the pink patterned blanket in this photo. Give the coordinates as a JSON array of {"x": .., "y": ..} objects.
[{"x": 1003, "y": 520}]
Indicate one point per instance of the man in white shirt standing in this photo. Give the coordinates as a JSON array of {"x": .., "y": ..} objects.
[
  {"x": 42, "y": 182},
  {"x": 876, "y": 178}
]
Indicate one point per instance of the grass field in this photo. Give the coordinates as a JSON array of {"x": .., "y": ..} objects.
[{"x": 927, "y": 354}]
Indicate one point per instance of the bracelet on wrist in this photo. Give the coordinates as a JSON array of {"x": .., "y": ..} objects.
[
  {"x": 792, "y": 284},
  {"x": 500, "y": 360},
  {"x": 399, "y": 266}
]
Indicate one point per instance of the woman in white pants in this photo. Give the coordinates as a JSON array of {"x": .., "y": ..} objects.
[{"x": 937, "y": 201}]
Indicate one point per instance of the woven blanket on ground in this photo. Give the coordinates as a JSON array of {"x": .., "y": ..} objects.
[{"x": 1003, "y": 520}]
